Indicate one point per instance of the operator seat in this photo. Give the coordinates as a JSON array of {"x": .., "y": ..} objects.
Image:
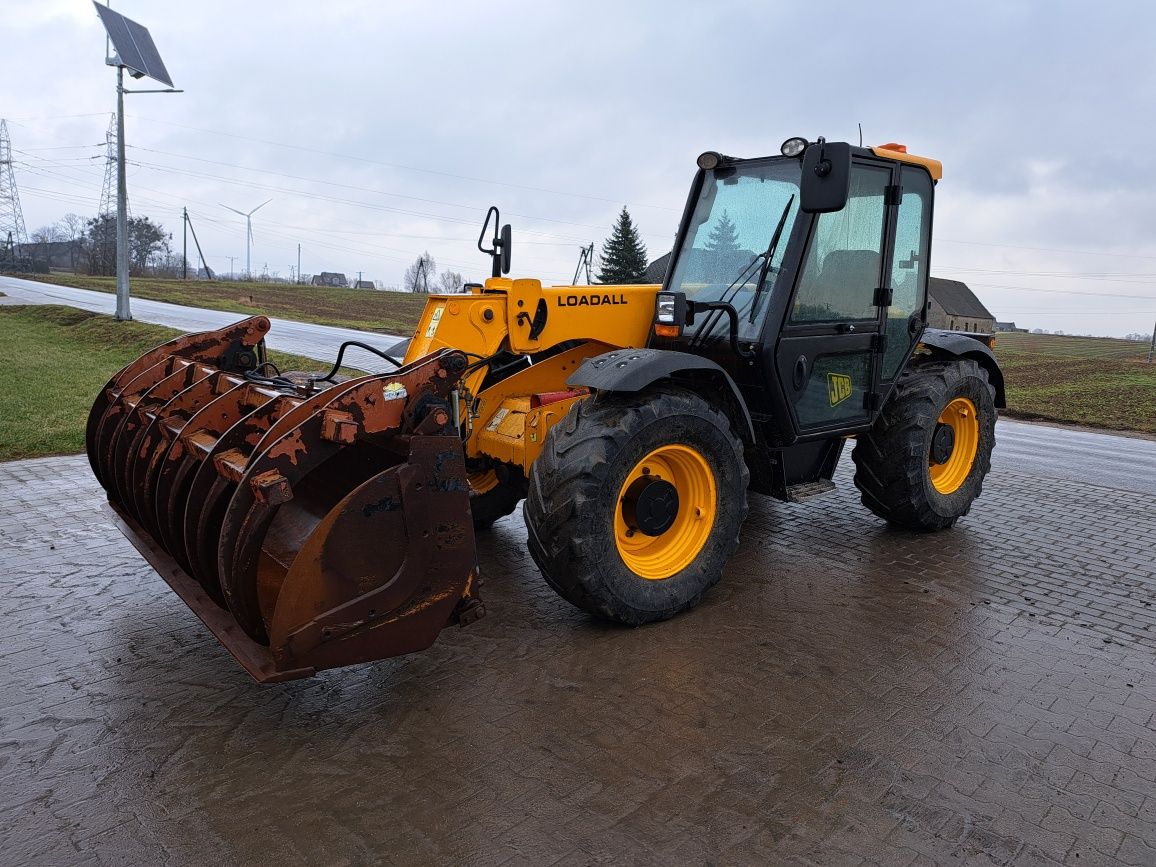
[{"x": 845, "y": 285}]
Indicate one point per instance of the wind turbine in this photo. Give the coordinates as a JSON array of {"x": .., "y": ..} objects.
[{"x": 248, "y": 231}]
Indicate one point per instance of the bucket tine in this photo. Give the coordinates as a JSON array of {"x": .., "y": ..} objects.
[
  {"x": 161, "y": 432},
  {"x": 210, "y": 491},
  {"x": 231, "y": 348},
  {"x": 188, "y": 449}
]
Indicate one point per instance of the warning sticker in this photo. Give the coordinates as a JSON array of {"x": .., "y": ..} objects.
[
  {"x": 434, "y": 319},
  {"x": 498, "y": 418},
  {"x": 838, "y": 388}
]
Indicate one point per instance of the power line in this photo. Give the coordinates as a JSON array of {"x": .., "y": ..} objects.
[
  {"x": 1043, "y": 249},
  {"x": 406, "y": 167}
]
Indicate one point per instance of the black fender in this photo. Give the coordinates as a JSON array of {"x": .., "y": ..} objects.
[
  {"x": 630, "y": 370},
  {"x": 951, "y": 345},
  {"x": 398, "y": 350}
]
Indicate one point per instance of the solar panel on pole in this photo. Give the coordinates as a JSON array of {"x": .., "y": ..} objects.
[{"x": 134, "y": 47}]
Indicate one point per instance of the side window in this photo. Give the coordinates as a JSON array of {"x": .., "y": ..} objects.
[
  {"x": 843, "y": 264},
  {"x": 908, "y": 266}
]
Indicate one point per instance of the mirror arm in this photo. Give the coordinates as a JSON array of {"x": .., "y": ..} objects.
[{"x": 694, "y": 307}]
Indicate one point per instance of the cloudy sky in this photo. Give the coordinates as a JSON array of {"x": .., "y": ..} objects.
[{"x": 382, "y": 129}]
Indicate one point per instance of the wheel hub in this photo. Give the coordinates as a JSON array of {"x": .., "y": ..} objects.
[
  {"x": 942, "y": 443},
  {"x": 650, "y": 506}
]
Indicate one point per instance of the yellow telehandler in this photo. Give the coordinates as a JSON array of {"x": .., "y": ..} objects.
[{"x": 313, "y": 521}]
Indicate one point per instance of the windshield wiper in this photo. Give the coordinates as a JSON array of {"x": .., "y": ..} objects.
[
  {"x": 707, "y": 326},
  {"x": 768, "y": 256}
]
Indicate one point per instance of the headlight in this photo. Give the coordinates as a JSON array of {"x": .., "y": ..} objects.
[
  {"x": 793, "y": 147},
  {"x": 665, "y": 310}
]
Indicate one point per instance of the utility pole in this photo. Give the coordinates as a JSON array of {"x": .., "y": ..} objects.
[
  {"x": 185, "y": 244},
  {"x": 123, "y": 314},
  {"x": 1152, "y": 345},
  {"x": 298, "y": 263},
  {"x": 358, "y": 279},
  {"x": 231, "y": 258},
  {"x": 136, "y": 52}
]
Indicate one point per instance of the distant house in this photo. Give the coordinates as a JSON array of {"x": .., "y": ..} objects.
[
  {"x": 954, "y": 307},
  {"x": 656, "y": 271},
  {"x": 329, "y": 278},
  {"x": 57, "y": 255},
  {"x": 1009, "y": 326},
  {"x": 363, "y": 284}
]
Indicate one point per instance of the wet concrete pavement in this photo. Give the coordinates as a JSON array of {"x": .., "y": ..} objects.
[{"x": 848, "y": 694}]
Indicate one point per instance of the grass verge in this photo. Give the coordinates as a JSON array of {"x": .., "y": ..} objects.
[
  {"x": 1093, "y": 381},
  {"x": 55, "y": 361},
  {"x": 365, "y": 309}
]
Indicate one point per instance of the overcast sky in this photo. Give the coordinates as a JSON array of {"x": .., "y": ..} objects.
[{"x": 383, "y": 129}]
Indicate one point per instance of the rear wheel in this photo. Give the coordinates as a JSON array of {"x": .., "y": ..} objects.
[
  {"x": 923, "y": 463},
  {"x": 636, "y": 502}
]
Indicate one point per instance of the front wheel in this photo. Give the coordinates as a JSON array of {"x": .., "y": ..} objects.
[
  {"x": 635, "y": 503},
  {"x": 923, "y": 462},
  {"x": 495, "y": 493}
]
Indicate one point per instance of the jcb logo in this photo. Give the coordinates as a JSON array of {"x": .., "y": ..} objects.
[{"x": 838, "y": 388}]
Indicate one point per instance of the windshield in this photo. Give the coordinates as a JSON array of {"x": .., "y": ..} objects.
[{"x": 732, "y": 225}]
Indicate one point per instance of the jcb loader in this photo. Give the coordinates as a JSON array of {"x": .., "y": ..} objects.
[{"x": 313, "y": 521}]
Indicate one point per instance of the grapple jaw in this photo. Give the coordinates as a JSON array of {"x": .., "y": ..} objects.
[{"x": 307, "y": 529}]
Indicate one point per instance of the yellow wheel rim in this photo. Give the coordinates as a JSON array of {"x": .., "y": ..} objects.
[
  {"x": 960, "y": 415},
  {"x": 667, "y": 554},
  {"x": 480, "y": 483}
]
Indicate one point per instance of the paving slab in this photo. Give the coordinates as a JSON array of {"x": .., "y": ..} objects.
[{"x": 848, "y": 694}]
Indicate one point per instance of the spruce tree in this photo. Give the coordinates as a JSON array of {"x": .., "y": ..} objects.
[
  {"x": 623, "y": 253},
  {"x": 724, "y": 237}
]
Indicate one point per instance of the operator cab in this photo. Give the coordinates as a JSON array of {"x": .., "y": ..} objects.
[{"x": 805, "y": 277}]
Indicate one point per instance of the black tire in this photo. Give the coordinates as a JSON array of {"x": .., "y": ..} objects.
[
  {"x": 893, "y": 460},
  {"x": 573, "y": 501},
  {"x": 499, "y": 501}
]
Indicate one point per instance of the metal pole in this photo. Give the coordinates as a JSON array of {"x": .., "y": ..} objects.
[
  {"x": 123, "y": 313},
  {"x": 185, "y": 245},
  {"x": 248, "y": 238},
  {"x": 1152, "y": 345},
  {"x": 231, "y": 258}
]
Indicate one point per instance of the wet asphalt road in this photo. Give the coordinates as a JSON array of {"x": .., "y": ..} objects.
[
  {"x": 1108, "y": 460},
  {"x": 303, "y": 338}
]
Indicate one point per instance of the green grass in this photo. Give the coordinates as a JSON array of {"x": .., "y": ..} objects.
[
  {"x": 55, "y": 361},
  {"x": 1093, "y": 381},
  {"x": 365, "y": 309}
]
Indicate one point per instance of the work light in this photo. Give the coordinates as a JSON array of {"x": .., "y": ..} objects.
[
  {"x": 709, "y": 160},
  {"x": 792, "y": 147}
]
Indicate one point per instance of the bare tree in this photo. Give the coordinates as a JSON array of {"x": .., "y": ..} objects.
[
  {"x": 72, "y": 227},
  {"x": 418, "y": 275},
  {"x": 43, "y": 239},
  {"x": 450, "y": 281}
]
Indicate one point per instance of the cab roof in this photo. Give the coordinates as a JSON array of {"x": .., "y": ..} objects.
[{"x": 893, "y": 151}]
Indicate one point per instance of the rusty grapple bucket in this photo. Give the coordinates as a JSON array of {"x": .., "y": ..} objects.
[{"x": 309, "y": 524}]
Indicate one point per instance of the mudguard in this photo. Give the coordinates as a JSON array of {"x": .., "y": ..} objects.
[
  {"x": 632, "y": 370},
  {"x": 948, "y": 343}
]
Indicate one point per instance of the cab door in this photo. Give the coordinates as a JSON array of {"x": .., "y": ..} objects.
[{"x": 828, "y": 356}]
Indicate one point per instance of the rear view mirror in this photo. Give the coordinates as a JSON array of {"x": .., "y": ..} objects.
[
  {"x": 504, "y": 248},
  {"x": 826, "y": 181}
]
